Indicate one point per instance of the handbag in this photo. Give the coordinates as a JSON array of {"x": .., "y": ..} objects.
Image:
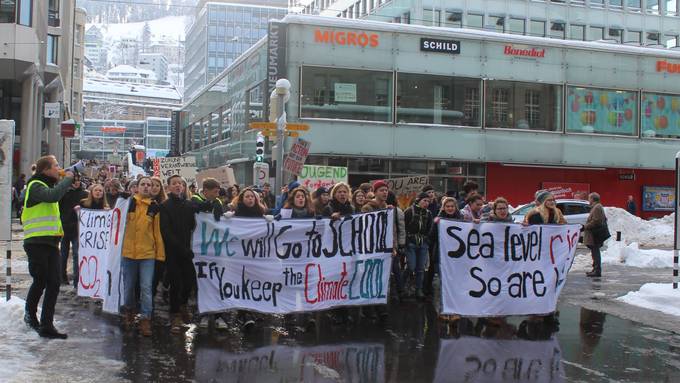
[{"x": 600, "y": 233}]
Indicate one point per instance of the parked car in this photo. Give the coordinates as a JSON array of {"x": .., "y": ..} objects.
[{"x": 574, "y": 210}]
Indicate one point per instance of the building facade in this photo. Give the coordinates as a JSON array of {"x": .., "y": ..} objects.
[
  {"x": 37, "y": 53},
  {"x": 157, "y": 63},
  {"x": 220, "y": 33},
  {"x": 634, "y": 22},
  {"x": 95, "y": 50},
  {"x": 514, "y": 113}
]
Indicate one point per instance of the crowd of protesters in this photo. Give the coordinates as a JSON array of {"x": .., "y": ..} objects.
[{"x": 161, "y": 218}]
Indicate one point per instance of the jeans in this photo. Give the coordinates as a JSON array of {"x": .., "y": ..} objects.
[
  {"x": 68, "y": 243},
  {"x": 138, "y": 270},
  {"x": 44, "y": 267},
  {"x": 416, "y": 258}
]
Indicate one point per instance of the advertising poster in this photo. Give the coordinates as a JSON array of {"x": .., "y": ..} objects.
[
  {"x": 568, "y": 190},
  {"x": 660, "y": 115},
  {"x": 658, "y": 198},
  {"x": 591, "y": 110}
]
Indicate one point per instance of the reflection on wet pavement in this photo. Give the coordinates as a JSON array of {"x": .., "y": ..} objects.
[{"x": 413, "y": 346}]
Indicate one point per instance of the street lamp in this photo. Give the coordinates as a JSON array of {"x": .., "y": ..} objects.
[{"x": 278, "y": 98}]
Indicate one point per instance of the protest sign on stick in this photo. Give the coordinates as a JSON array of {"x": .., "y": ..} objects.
[{"x": 406, "y": 189}]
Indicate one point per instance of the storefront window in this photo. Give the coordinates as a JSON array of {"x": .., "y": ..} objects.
[
  {"x": 408, "y": 167},
  {"x": 352, "y": 94},
  {"x": 660, "y": 115},
  {"x": 368, "y": 165},
  {"x": 438, "y": 100},
  {"x": 601, "y": 111},
  {"x": 537, "y": 28},
  {"x": 518, "y": 105}
]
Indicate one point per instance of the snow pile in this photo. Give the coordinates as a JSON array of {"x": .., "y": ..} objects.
[
  {"x": 15, "y": 335},
  {"x": 654, "y": 233},
  {"x": 631, "y": 255},
  {"x": 655, "y": 296}
]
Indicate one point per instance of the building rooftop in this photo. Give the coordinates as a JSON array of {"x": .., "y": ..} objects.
[{"x": 94, "y": 85}]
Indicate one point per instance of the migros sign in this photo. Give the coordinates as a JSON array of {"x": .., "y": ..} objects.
[{"x": 361, "y": 39}]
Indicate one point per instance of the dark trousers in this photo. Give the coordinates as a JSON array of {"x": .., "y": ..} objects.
[
  {"x": 182, "y": 278},
  {"x": 597, "y": 258},
  {"x": 44, "y": 265},
  {"x": 70, "y": 242}
]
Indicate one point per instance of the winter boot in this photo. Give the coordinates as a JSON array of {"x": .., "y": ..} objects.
[
  {"x": 176, "y": 324},
  {"x": 48, "y": 331},
  {"x": 145, "y": 327},
  {"x": 31, "y": 321}
]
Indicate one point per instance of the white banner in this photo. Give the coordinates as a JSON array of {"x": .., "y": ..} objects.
[
  {"x": 292, "y": 265},
  {"x": 469, "y": 359},
  {"x": 101, "y": 243},
  {"x": 504, "y": 269},
  {"x": 354, "y": 362},
  {"x": 6, "y": 155}
]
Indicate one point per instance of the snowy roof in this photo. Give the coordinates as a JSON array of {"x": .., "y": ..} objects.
[
  {"x": 130, "y": 89},
  {"x": 475, "y": 34},
  {"x": 170, "y": 28},
  {"x": 127, "y": 71}
]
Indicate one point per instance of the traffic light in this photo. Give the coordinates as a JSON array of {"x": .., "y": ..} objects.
[{"x": 259, "y": 148}]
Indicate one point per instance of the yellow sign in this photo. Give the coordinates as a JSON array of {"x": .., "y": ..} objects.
[
  {"x": 269, "y": 128},
  {"x": 262, "y": 125},
  {"x": 303, "y": 127}
]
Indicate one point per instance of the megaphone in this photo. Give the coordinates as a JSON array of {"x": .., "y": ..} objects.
[{"x": 76, "y": 168}]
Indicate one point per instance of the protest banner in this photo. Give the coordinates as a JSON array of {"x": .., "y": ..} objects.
[
  {"x": 296, "y": 156},
  {"x": 353, "y": 362},
  {"x": 292, "y": 265},
  {"x": 406, "y": 188},
  {"x": 100, "y": 245},
  {"x": 6, "y": 148},
  {"x": 165, "y": 167},
  {"x": 504, "y": 269},
  {"x": 470, "y": 359},
  {"x": 315, "y": 176},
  {"x": 223, "y": 174}
]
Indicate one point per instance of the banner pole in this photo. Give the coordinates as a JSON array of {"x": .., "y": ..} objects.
[{"x": 8, "y": 272}]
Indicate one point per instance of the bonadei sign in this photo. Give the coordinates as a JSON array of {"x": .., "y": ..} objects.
[
  {"x": 533, "y": 52},
  {"x": 441, "y": 46}
]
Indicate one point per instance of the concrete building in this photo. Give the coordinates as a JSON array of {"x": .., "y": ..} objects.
[
  {"x": 36, "y": 63},
  {"x": 221, "y": 32},
  {"x": 155, "y": 62},
  {"x": 127, "y": 73},
  {"x": 634, "y": 22},
  {"x": 172, "y": 50},
  {"x": 95, "y": 50},
  {"x": 514, "y": 113}
]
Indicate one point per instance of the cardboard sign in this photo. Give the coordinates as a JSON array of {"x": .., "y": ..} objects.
[
  {"x": 568, "y": 190},
  {"x": 165, "y": 167},
  {"x": 315, "y": 176},
  {"x": 223, "y": 174},
  {"x": 297, "y": 265},
  {"x": 406, "y": 189},
  {"x": 496, "y": 269},
  {"x": 296, "y": 157}
]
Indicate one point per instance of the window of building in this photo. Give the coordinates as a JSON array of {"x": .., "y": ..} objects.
[
  {"x": 557, "y": 29},
  {"x": 475, "y": 21},
  {"x": 7, "y": 11},
  {"x": 616, "y": 3},
  {"x": 353, "y": 94},
  {"x": 577, "y": 32},
  {"x": 652, "y": 6},
  {"x": 76, "y": 67},
  {"x": 653, "y": 38},
  {"x": 578, "y": 2},
  {"x": 52, "y": 49},
  {"x": 616, "y": 34},
  {"x": 520, "y": 105},
  {"x": 53, "y": 13},
  {"x": 597, "y": 3},
  {"x": 516, "y": 26},
  {"x": 671, "y": 7},
  {"x": 601, "y": 111},
  {"x": 633, "y": 5},
  {"x": 431, "y": 17},
  {"x": 453, "y": 19},
  {"x": 226, "y": 122},
  {"x": 75, "y": 103},
  {"x": 634, "y": 37},
  {"x": 496, "y": 23},
  {"x": 437, "y": 99},
  {"x": 158, "y": 142},
  {"x": 537, "y": 28},
  {"x": 659, "y": 117},
  {"x": 670, "y": 41},
  {"x": 596, "y": 33},
  {"x": 25, "y": 12}
]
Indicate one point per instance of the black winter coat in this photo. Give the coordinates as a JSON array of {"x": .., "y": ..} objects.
[
  {"x": 418, "y": 223},
  {"x": 69, "y": 217},
  {"x": 337, "y": 207},
  {"x": 177, "y": 224}
]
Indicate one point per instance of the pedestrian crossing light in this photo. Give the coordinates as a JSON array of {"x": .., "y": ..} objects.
[{"x": 259, "y": 148}]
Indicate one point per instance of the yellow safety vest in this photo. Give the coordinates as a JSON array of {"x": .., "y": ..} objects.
[
  {"x": 43, "y": 219},
  {"x": 198, "y": 198}
]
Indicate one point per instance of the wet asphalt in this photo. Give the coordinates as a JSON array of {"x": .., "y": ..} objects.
[{"x": 597, "y": 339}]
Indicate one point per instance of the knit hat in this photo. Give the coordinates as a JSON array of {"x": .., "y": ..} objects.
[
  {"x": 427, "y": 188},
  {"x": 321, "y": 190},
  {"x": 378, "y": 184},
  {"x": 421, "y": 196},
  {"x": 542, "y": 195}
]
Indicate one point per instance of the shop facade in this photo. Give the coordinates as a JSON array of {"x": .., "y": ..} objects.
[{"x": 511, "y": 112}]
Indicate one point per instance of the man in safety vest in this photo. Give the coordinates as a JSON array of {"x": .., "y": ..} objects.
[{"x": 42, "y": 234}]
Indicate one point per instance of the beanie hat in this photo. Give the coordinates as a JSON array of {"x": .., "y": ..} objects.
[
  {"x": 427, "y": 188},
  {"x": 378, "y": 184},
  {"x": 319, "y": 191},
  {"x": 542, "y": 195},
  {"x": 421, "y": 196}
]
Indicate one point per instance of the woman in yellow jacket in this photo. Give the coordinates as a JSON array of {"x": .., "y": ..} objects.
[{"x": 142, "y": 247}]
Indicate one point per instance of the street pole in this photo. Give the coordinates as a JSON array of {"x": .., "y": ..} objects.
[{"x": 280, "y": 131}]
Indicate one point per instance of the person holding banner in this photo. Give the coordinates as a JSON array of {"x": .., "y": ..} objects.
[
  {"x": 95, "y": 200},
  {"x": 113, "y": 190},
  {"x": 472, "y": 212},
  {"x": 339, "y": 205},
  {"x": 321, "y": 200},
  {"x": 418, "y": 222},
  {"x": 42, "y": 233},
  {"x": 400, "y": 234},
  {"x": 158, "y": 195},
  {"x": 500, "y": 211},
  {"x": 358, "y": 199},
  {"x": 142, "y": 246},
  {"x": 448, "y": 210},
  {"x": 300, "y": 204},
  {"x": 545, "y": 212}
]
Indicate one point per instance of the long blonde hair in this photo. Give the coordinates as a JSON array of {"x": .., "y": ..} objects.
[
  {"x": 89, "y": 200},
  {"x": 161, "y": 197}
]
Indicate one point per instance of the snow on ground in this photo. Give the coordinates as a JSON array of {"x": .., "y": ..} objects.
[
  {"x": 653, "y": 233},
  {"x": 15, "y": 335},
  {"x": 631, "y": 255},
  {"x": 655, "y": 296}
]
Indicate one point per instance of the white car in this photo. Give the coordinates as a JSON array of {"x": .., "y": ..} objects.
[{"x": 574, "y": 210}]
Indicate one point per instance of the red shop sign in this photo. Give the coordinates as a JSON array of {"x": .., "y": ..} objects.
[{"x": 561, "y": 190}]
